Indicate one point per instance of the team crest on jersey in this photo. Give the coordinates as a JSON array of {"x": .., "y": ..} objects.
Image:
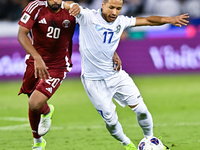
[
  {"x": 118, "y": 28},
  {"x": 66, "y": 23},
  {"x": 79, "y": 15}
]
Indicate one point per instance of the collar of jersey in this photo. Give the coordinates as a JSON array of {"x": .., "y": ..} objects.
[{"x": 100, "y": 12}]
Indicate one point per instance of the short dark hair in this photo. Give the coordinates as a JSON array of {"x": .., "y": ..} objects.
[{"x": 105, "y": 1}]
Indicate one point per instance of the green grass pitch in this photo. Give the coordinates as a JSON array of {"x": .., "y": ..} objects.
[{"x": 173, "y": 100}]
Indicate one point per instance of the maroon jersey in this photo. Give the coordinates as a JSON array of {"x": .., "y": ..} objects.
[{"x": 51, "y": 33}]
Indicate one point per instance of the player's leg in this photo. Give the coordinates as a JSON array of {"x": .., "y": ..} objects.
[
  {"x": 38, "y": 105},
  {"x": 101, "y": 98},
  {"x": 35, "y": 108},
  {"x": 43, "y": 91},
  {"x": 34, "y": 119},
  {"x": 116, "y": 131},
  {"x": 39, "y": 92},
  {"x": 128, "y": 94},
  {"x": 144, "y": 118},
  {"x": 137, "y": 104}
]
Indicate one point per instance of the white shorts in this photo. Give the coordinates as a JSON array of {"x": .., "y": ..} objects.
[{"x": 120, "y": 87}]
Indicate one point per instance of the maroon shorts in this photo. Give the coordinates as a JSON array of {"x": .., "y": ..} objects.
[{"x": 47, "y": 87}]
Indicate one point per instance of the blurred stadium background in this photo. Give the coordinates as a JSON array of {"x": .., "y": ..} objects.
[{"x": 165, "y": 64}]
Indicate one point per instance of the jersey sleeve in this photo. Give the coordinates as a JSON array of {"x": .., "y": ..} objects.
[
  {"x": 29, "y": 15},
  {"x": 84, "y": 16},
  {"x": 129, "y": 21}
]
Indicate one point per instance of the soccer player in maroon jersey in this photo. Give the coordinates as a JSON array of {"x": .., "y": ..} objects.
[{"x": 48, "y": 59}]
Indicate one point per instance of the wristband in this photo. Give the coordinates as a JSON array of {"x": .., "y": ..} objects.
[{"x": 72, "y": 5}]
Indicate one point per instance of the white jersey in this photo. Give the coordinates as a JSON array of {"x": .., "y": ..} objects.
[{"x": 98, "y": 40}]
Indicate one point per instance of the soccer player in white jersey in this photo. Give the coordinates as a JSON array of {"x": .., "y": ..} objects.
[{"x": 100, "y": 32}]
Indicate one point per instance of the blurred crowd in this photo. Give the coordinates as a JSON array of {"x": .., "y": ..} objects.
[{"x": 10, "y": 10}]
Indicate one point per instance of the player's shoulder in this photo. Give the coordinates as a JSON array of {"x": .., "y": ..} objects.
[
  {"x": 90, "y": 11},
  {"x": 35, "y": 5},
  {"x": 94, "y": 11},
  {"x": 67, "y": 14},
  {"x": 95, "y": 14},
  {"x": 123, "y": 18}
]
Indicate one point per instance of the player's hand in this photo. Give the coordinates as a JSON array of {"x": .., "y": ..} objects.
[
  {"x": 75, "y": 9},
  {"x": 117, "y": 61},
  {"x": 41, "y": 69},
  {"x": 180, "y": 20}
]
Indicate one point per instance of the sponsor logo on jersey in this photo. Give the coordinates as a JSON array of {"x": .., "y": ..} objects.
[
  {"x": 118, "y": 28},
  {"x": 66, "y": 23},
  {"x": 49, "y": 89},
  {"x": 98, "y": 27},
  {"x": 25, "y": 18},
  {"x": 43, "y": 21}
]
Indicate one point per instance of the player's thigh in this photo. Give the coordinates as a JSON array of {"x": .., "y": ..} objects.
[
  {"x": 37, "y": 100},
  {"x": 127, "y": 92},
  {"x": 49, "y": 86},
  {"x": 100, "y": 96},
  {"x": 45, "y": 89}
]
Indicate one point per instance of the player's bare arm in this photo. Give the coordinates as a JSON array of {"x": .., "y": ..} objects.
[
  {"x": 178, "y": 21},
  {"x": 40, "y": 67},
  {"x": 73, "y": 7},
  {"x": 117, "y": 61}
]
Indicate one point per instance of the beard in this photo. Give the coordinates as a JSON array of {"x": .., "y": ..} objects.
[{"x": 54, "y": 7}]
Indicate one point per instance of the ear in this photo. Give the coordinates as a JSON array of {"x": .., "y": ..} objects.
[{"x": 103, "y": 4}]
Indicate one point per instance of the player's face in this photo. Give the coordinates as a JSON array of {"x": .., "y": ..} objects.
[
  {"x": 54, "y": 4},
  {"x": 111, "y": 9}
]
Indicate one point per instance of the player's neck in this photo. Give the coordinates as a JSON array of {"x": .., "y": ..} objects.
[
  {"x": 100, "y": 11},
  {"x": 104, "y": 18}
]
